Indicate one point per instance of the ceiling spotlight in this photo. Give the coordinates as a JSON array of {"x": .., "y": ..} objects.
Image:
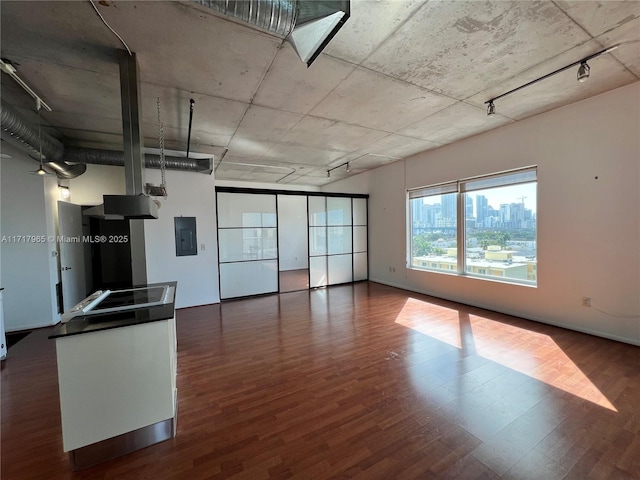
[
  {"x": 491, "y": 109},
  {"x": 583, "y": 72},
  {"x": 348, "y": 167}
]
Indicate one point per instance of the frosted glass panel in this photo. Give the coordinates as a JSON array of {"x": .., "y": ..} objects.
[
  {"x": 240, "y": 244},
  {"x": 246, "y": 210},
  {"x": 359, "y": 211},
  {"x": 317, "y": 241},
  {"x": 339, "y": 211},
  {"x": 340, "y": 269},
  {"x": 359, "y": 239},
  {"x": 360, "y": 270},
  {"x": 248, "y": 278},
  {"x": 317, "y": 211},
  {"x": 317, "y": 271},
  {"x": 339, "y": 240}
]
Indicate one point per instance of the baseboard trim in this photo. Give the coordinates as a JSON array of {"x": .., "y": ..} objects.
[{"x": 111, "y": 448}]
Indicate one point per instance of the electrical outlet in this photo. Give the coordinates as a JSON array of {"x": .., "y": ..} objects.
[{"x": 586, "y": 301}]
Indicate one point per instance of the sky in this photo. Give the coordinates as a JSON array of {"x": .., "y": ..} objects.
[{"x": 497, "y": 196}]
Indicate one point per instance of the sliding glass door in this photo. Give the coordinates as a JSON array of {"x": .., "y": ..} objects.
[
  {"x": 247, "y": 244},
  {"x": 337, "y": 240},
  {"x": 263, "y": 237}
]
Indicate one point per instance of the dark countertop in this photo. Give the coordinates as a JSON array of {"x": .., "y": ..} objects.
[{"x": 107, "y": 321}]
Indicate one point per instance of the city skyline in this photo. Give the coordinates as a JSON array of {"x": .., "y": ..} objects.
[{"x": 499, "y": 196}]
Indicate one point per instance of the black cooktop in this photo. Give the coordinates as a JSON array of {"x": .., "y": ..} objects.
[{"x": 131, "y": 298}]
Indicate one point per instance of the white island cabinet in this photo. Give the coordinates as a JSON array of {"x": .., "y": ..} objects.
[{"x": 117, "y": 383}]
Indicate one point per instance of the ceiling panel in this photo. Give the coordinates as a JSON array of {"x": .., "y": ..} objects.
[
  {"x": 598, "y": 17},
  {"x": 396, "y": 104},
  {"x": 331, "y": 135},
  {"x": 290, "y": 85},
  {"x": 371, "y": 22},
  {"x": 399, "y": 146},
  {"x": 459, "y": 47},
  {"x": 260, "y": 129},
  {"x": 218, "y": 116},
  {"x": 628, "y": 36},
  {"x": 286, "y": 154}
]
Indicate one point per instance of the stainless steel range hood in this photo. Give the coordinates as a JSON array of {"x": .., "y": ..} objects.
[{"x": 135, "y": 205}]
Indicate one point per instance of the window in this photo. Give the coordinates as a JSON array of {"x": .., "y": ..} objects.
[{"x": 483, "y": 227}]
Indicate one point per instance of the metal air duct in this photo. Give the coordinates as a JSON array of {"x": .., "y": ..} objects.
[
  {"x": 97, "y": 156},
  {"x": 309, "y": 25},
  {"x": 21, "y": 133}
]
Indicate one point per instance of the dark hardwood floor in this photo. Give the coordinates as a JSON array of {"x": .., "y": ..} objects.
[
  {"x": 358, "y": 381},
  {"x": 294, "y": 280}
]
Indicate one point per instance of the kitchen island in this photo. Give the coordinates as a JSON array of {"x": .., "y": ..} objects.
[{"x": 117, "y": 381}]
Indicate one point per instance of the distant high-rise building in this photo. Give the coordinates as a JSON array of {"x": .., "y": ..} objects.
[
  {"x": 481, "y": 208},
  {"x": 468, "y": 207},
  {"x": 449, "y": 206}
]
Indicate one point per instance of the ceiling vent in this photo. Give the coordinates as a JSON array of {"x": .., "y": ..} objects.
[{"x": 309, "y": 25}]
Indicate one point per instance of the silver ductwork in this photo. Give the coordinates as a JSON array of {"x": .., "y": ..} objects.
[
  {"x": 21, "y": 133},
  {"x": 308, "y": 25},
  {"x": 70, "y": 162},
  {"x": 96, "y": 156}
]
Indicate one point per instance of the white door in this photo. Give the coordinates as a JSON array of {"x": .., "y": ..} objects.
[{"x": 71, "y": 254}]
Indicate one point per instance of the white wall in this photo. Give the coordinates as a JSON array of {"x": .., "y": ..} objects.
[
  {"x": 268, "y": 186},
  {"x": 29, "y": 269},
  {"x": 293, "y": 234},
  {"x": 588, "y": 228},
  {"x": 98, "y": 180},
  {"x": 189, "y": 195}
]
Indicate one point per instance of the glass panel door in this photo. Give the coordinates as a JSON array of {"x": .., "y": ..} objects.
[{"x": 247, "y": 244}]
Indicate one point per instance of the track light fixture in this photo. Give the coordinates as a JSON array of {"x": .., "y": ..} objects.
[
  {"x": 346, "y": 164},
  {"x": 491, "y": 109},
  {"x": 583, "y": 74}
]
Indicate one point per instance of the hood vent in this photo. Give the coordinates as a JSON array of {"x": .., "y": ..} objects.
[
  {"x": 133, "y": 207},
  {"x": 309, "y": 25}
]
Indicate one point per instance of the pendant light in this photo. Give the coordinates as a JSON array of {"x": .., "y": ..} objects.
[{"x": 41, "y": 171}]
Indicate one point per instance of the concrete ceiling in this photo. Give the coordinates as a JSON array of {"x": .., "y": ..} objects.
[{"x": 401, "y": 77}]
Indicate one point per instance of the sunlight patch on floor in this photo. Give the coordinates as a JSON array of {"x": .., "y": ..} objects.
[{"x": 531, "y": 353}]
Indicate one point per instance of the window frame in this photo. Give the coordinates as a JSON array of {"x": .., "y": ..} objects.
[{"x": 519, "y": 176}]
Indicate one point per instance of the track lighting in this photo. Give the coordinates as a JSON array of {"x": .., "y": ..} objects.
[
  {"x": 583, "y": 72},
  {"x": 346, "y": 164},
  {"x": 583, "y": 75},
  {"x": 491, "y": 109}
]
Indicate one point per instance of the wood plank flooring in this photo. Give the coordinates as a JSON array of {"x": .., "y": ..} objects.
[
  {"x": 358, "y": 381},
  {"x": 294, "y": 280}
]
